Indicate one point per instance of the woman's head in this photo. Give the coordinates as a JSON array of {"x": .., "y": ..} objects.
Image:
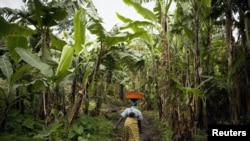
[
  {"x": 131, "y": 114},
  {"x": 134, "y": 102}
]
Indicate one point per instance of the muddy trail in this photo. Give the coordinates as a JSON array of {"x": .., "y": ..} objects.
[{"x": 149, "y": 129}]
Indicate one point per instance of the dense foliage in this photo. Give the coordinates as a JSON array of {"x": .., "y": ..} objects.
[{"x": 59, "y": 67}]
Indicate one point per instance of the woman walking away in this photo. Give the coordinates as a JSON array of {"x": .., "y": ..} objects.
[{"x": 132, "y": 124}]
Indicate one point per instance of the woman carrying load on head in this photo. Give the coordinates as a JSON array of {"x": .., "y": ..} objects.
[{"x": 132, "y": 125}]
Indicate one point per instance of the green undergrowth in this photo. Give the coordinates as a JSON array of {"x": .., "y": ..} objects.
[
  {"x": 200, "y": 136},
  {"x": 163, "y": 128},
  {"x": 84, "y": 128},
  {"x": 166, "y": 133}
]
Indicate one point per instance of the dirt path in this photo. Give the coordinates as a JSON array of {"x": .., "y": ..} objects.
[{"x": 149, "y": 132}]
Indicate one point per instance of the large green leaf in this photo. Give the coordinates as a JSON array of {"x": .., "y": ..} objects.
[
  {"x": 195, "y": 91},
  {"x": 54, "y": 13},
  {"x": 44, "y": 14},
  {"x": 39, "y": 12},
  {"x": 115, "y": 39},
  {"x": 8, "y": 29},
  {"x": 78, "y": 129},
  {"x": 188, "y": 32},
  {"x": 57, "y": 43},
  {"x": 19, "y": 73},
  {"x": 94, "y": 24},
  {"x": 54, "y": 127},
  {"x": 158, "y": 11},
  {"x": 123, "y": 19},
  {"x": 206, "y": 3},
  {"x": 122, "y": 37},
  {"x": 6, "y": 68},
  {"x": 34, "y": 61},
  {"x": 16, "y": 41},
  {"x": 95, "y": 27},
  {"x": 65, "y": 60},
  {"x": 79, "y": 30},
  {"x": 144, "y": 12},
  {"x": 136, "y": 26}
]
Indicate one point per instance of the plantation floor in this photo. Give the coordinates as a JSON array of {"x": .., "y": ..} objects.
[{"x": 149, "y": 131}]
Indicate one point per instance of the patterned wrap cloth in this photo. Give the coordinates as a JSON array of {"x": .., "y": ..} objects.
[{"x": 131, "y": 130}]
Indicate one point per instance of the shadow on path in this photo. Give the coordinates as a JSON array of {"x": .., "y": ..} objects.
[{"x": 149, "y": 132}]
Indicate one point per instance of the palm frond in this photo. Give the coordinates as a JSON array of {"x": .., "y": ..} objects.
[{"x": 9, "y": 14}]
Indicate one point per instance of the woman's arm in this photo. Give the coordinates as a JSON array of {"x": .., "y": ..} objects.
[
  {"x": 139, "y": 126},
  {"x": 118, "y": 122}
]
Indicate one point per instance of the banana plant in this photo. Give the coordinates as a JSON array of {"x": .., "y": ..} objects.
[
  {"x": 153, "y": 34},
  {"x": 168, "y": 74},
  {"x": 106, "y": 44},
  {"x": 14, "y": 35},
  {"x": 17, "y": 34}
]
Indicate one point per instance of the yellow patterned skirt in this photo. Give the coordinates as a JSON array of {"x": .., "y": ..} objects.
[{"x": 131, "y": 130}]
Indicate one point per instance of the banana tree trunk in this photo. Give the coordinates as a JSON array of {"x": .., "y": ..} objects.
[
  {"x": 165, "y": 69},
  {"x": 83, "y": 93},
  {"x": 247, "y": 27},
  {"x": 198, "y": 103},
  {"x": 233, "y": 92},
  {"x": 207, "y": 66}
]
